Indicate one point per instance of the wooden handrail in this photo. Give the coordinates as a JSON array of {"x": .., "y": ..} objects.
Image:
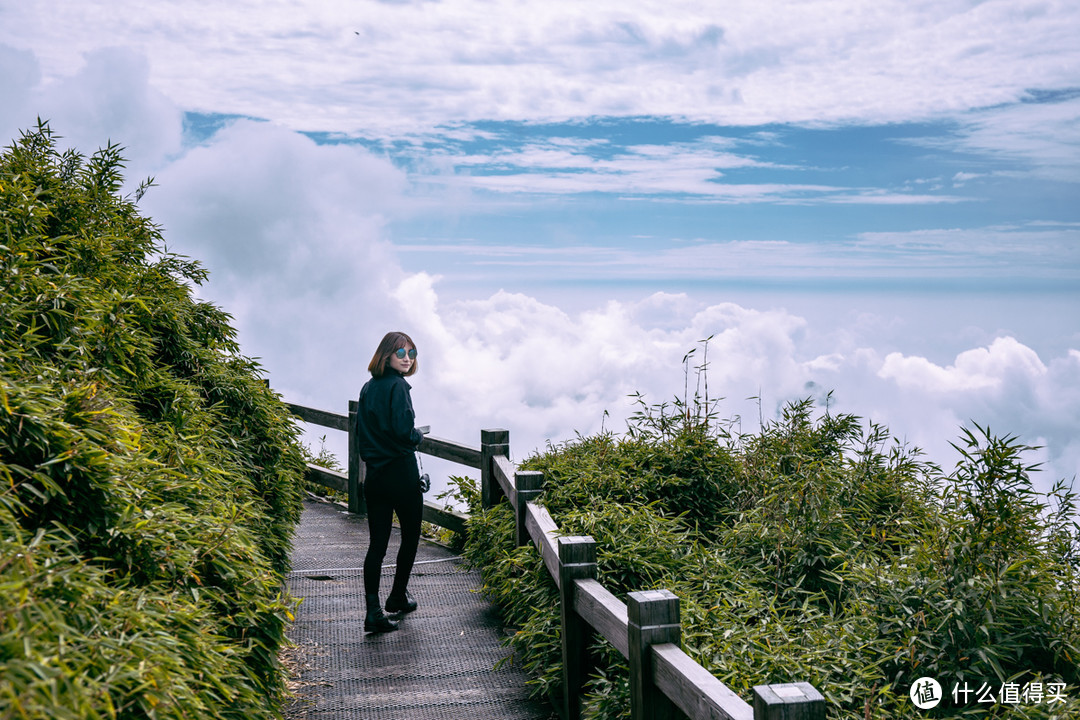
[
  {"x": 693, "y": 688},
  {"x": 543, "y": 531},
  {"x": 504, "y": 473},
  {"x": 325, "y": 418},
  {"x": 450, "y": 450},
  {"x": 430, "y": 445},
  {"x": 662, "y": 675},
  {"x": 604, "y": 612},
  {"x": 328, "y": 478}
]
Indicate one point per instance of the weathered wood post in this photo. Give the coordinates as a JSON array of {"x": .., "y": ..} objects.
[
  {"x": 357, "y": 504},
  {"x": 492, "y": 443},
  {"x": 577, "y": 561},
  {"x": 653, "y": 619},
  {"x": 527, "y": 485},
  {"x": 788, "y": 701}
]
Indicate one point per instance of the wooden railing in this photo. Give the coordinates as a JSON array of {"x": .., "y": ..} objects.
[
  {"x": 665, "y": 683},
  {"x": 352, "y": 484}
]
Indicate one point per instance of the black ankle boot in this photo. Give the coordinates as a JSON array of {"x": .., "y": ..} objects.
[
  {"x": 400, "y": 603},
  {"x": 376, "y": 621}
]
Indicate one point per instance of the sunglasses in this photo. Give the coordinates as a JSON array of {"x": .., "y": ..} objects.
[{"x": 401, "y": 352}]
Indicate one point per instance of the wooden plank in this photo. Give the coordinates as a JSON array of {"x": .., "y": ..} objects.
[
  {"x": 325, "y": 418},
  {"x": 695, "y": 690},
  {"x": 449, "y": 519},
  {"x": 450, "y": 450},
  {"x": 327, "y": 478},
  {"x": 503, "y": 470},
  {"x": 605, "y": 612},
  {"x": 544, "y": 533}
]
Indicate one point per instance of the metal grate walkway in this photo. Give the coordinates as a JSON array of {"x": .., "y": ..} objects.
[{"x": 440, "y": 663}]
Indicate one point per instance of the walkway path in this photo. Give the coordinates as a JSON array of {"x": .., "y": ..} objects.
[{"x": 440, "y": 663}]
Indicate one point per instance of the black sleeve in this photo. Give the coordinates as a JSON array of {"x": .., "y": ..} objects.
[{"x": 402, "y": 417}]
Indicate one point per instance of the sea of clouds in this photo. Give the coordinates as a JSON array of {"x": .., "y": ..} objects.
[{"x": 297, "y": 238}]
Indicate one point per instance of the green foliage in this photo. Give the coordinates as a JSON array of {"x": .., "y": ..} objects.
[
  {"x": 461, "y": 492},
  {"x": 992, "y": 593},
  {"x": 324, "y": 459},
  {"x": 149, "y": 479},
  {"x": 815, "y": 550}
]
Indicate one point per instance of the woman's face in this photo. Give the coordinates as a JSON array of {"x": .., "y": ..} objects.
[{"x": 403, "y": 364}]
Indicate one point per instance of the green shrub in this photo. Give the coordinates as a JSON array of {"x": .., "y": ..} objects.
[
  {"x": 815, "y": 550},
  {"x": 150, "y": 479}
]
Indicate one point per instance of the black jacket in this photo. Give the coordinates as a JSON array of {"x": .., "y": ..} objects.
[{"x": 385, "y": 420}]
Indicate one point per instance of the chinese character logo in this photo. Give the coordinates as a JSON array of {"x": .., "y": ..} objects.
[{"x": 926, "y": 693}]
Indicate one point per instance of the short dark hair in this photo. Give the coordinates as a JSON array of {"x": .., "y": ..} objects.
[{"x": 390, "y": 343}]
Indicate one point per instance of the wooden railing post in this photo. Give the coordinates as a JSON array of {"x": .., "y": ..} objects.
[
  {"x": 577, "y": 561},
  {"x": 653, "y": 619},
  {"x": 357, "y": 504},
  {"x": 492, "y": 443},
  {"x": 788, "y": 701},
  {"x": 527, "y": 484}
]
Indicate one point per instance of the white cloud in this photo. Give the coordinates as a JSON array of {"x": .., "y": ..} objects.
[
  {"x": 365, "y": 66},
  {"x": 980, "y": 369},
  {"x": 292, "y": 233},
  {"x": 1043, "y": 136},
  {"x": 568, "y": 165},
  {"x": 1005, "y": 386},
  {"x": 962, "y": 178},
  {"x": 19, "y": 75},
  {"x": 512, "y": 361},
  {"x": 698, "y": 171},
  {"x": 107, "y": 98}
]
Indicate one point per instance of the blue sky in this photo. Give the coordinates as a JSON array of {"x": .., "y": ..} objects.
[
  {"x": 559, "y": 200},
  {"x": 871, "y": 204}
]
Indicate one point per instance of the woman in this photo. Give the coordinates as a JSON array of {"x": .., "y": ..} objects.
[{"x": 388, "y": 439}]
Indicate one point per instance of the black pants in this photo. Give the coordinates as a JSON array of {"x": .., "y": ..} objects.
[{"x": 390, "y": 488}]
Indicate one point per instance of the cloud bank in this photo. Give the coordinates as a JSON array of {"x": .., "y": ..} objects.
[
  {"x": 295, "y": 236},
  {"x": 299, "y": 239},
  {"x": 377, "y": 67}
]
